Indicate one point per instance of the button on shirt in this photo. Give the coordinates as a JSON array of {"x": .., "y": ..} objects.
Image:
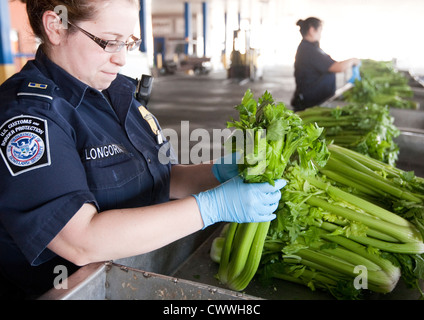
[
  {"x": 64, "y": 144},
  {"x": 313, "y": 80}
]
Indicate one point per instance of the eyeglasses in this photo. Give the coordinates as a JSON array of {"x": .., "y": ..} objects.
[{"x": 111, "y": 45}]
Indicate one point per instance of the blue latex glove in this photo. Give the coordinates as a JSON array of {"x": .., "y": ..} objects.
[
  {"x": 355, "y": 74},
  {"x": 236, "y": 201},
  {"x": 226, "y": 167}
]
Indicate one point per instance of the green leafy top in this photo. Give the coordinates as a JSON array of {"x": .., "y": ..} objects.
[
  {"x": 272, "y": 135},
  {"x": 382, "y": 84},
  {"x": 367, "y": 128}
]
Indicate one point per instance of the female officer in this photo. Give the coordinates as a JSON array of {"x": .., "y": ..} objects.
[
  {"x": 82, "y": 179},
  {"x": 314, "y": 70}
]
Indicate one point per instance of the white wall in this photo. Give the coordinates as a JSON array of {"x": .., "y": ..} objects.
[{"x": 376, "y": 29}]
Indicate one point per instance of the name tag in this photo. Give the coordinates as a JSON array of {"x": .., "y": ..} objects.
[{"x": 102, "y": 152}]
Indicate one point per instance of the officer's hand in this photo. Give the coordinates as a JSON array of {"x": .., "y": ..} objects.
[
  {"x": 236, "y": 201},
  {"x": 226, "y": 167}
]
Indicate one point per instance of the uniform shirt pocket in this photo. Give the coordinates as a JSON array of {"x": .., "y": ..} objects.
[
  {"x": 118, "y": 181},
  {"x": 112, "y": 172}
]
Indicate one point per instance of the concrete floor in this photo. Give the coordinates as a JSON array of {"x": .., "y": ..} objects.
[{"x": 184, "y": 103}]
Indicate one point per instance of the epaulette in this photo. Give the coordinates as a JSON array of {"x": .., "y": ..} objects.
[{"x": 40, "y": 89}]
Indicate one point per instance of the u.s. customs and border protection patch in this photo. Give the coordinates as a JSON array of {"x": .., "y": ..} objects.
[{"x": 24, "y": 144}]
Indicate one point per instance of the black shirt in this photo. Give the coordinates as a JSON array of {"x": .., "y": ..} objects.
[{"x": 314, "y": 83}]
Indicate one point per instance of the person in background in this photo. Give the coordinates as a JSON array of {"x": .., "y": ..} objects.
[
  {"x": 314, "y": 70},
  {"x": 82, "y": 178}
]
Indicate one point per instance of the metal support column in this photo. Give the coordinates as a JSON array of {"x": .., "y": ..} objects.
[
  {"x": 205, "y": 27},
  {"x": 188, "y": 50},
  {"x": 7, "y": 67},
  {"x": 143, "y": 26}
]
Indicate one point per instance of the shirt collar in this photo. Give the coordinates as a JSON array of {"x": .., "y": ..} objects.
[
  {"x": 314, "y": 43},
  {"x": 72, "y": 89}
]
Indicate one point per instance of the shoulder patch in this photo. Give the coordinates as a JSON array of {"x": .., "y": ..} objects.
[{"x": 24, "y": 144}]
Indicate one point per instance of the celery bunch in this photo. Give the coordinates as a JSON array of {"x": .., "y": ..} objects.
[
  {"x": 270, "y": 135},
  {"x": 337, "y": 212},
  {"x": 366, "y": 128},
  {"x": 348, "y": 215},
  {"x": 381, "y": 84}
]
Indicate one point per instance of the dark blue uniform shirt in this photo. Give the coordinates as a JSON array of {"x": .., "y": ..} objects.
[
  {"x": 64, "y": 144},
  {"x": 314, "y": 83}
]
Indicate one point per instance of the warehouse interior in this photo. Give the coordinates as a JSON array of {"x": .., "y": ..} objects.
[
  {"x": 381, "y": 30},
  {"x": 203, "y": 55}
]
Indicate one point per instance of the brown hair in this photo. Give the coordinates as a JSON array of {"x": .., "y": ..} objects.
[{"x": 76, "y": 10}]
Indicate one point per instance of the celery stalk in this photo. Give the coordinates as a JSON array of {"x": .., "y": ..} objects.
[
  {"x": 405, "y": 248},
  {"x": 226, "y": 252},
  {"x": 380, "y": 279},
  {"x": 346, "y": 255},
  {"x": 399, "y": 232},
  {"x": 244, "y": 238},
  {"x": 349, "y": 182},
  {"x": 360, "y": 249},
  {"x": 337, "y": 166},
  {"x": 333, "y": 227},
  {"x": 361, "y": 203},
  {"x": 242, "y": 280}
]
